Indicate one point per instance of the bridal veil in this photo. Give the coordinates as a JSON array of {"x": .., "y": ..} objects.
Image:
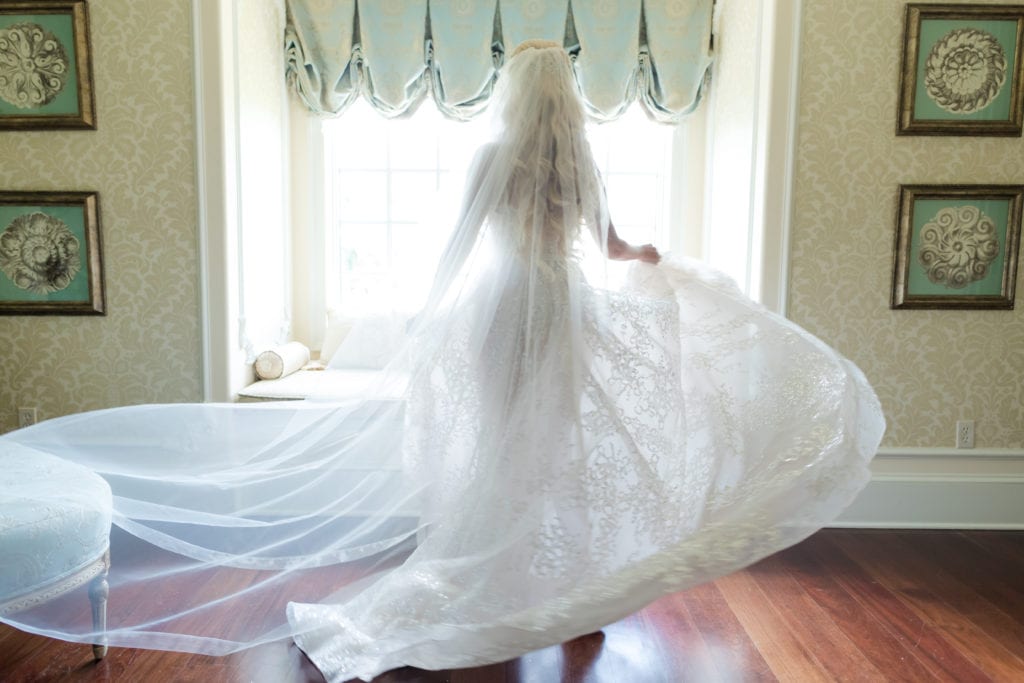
[{"x": 544, "y": 455}]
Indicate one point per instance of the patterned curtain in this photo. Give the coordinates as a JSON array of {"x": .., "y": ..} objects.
[{"x": 395, "y": 52}]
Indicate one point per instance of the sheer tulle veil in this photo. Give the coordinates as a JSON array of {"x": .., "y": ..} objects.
[{"x": 544, "y": 455}]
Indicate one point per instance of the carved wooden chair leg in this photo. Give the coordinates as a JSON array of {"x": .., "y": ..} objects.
[{"x": 98, "y": 590}]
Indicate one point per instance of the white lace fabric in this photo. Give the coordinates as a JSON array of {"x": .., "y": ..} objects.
[
  {"x": 707, "y": 434},
  {"x": 561, "y": 455}
]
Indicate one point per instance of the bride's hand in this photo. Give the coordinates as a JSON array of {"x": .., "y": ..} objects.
[
  {"x": 620, "y": 250},
  {"x": 647, "y": 253}
]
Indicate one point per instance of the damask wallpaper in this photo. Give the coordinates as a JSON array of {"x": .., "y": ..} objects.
[
  {"x": 930, "y": 368},
  {"x": 141, "y": 160}
]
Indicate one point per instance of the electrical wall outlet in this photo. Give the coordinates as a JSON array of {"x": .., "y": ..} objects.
[
  {"x": 965, "y": 434},
  {"x": 27, "y": 416}
]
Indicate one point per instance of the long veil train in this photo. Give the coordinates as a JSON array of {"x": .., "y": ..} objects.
[{"x": 544, "y": 456}]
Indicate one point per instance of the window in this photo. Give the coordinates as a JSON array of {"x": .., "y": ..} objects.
[
  {"x": 736, "y": 149},
  {"x": 393, "y": 189},
  {"x": 391, "y": 195}
]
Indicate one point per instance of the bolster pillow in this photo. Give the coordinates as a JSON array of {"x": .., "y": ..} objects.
[{"x": 281, "y": 360}]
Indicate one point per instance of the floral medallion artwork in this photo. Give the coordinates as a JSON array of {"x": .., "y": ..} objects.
[
  {"x": 962, "y": 70},
  {"x": 956, "y": 246},
  {"x": 965, "y": 70},
  {"x": 45, "y": 65},
  {"x": 50, "y": 253},
  {"x": 39, "y": 253},
  {"x": 33, "y": 65}
]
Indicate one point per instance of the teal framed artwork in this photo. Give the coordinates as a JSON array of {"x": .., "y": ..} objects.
[
  {"x": 963, "y": 67},
  {"x": 956, "y": 246},
  {"x": 45, "y": 65},
  {"x": 50, "y": 254}
]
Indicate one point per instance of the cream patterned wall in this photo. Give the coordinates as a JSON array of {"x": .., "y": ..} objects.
[
  {"x": 930, "y": 368},
  {"x": 141, "y": 160}
]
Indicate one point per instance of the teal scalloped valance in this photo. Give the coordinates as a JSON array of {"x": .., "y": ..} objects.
[{"x": 395, "y": 52}]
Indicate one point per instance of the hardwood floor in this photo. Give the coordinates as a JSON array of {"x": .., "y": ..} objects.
[{"x": 844, "y": 605}]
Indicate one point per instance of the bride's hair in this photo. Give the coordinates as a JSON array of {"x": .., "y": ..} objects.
[
  {"x": 533, "y": 43},
  {"x": 554, "y": 181}
]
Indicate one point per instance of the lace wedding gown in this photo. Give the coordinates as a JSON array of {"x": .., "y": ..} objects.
[{"x": 559, "y": 454}]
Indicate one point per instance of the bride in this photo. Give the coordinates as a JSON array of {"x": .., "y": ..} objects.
[{"x": 546, "y": 455}]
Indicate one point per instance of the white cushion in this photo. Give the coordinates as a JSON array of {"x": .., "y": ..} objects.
[
  {"x": 332, "y": 384},
  {"x": 54, "y": 519}
]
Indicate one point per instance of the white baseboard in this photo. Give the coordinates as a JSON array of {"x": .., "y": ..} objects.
[{"x": 938, "y": 488}]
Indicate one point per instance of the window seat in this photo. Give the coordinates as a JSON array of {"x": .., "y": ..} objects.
[{"x": 332, "y": 384}]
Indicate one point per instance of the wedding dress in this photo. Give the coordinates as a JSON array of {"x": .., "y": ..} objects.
[{"x": 544, "y": 456}]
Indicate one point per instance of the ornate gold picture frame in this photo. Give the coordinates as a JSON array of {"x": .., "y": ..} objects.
[
  {"x": 963, "y": 68},
  {"x": 45, "y": 65},
  {"x": 50, "y": 254},
  {"x": 956, "y": 246}
]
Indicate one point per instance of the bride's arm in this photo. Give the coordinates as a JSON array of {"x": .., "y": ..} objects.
[
  {"x": 621, "y": 250},
  {"x": 617, "y": 248}
]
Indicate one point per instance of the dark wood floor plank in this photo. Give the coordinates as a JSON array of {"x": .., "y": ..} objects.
[
  {"x": 1005, "y": 551},
  {"x": 965, "y": 591},
  {"x": 812, "y": 625},
  {"x": 997, "y": 579},
  {"x": 844, "y": 605},
  {"x": 928, "y": 643},
  {"x": 735, "y": 655},
  {"x": 788, "y": 658},
  {"x": 626, "y": 651},
  {"x": 898, "y": 569},
  {"x": 931, "y": 643},
  {"x": 18, "y": 649},
  {"x": 1007, "y": 544},
  {"x": 900, "y": 644},
  {"x": 281, "y": 661},
  {"x": 678, "y": 639}
]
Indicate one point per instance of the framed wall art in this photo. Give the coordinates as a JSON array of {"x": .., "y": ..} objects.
[
  {"x": 45, "y": 65},
  {"x": 956, "y": 246},
  {"x": 963, "y": 69},
  {"x": 50, "y": 254}
]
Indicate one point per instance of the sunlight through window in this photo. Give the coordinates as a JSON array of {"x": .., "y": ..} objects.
[{"x": 395, "y": 187}]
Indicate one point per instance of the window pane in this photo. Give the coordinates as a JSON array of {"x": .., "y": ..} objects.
[
  {"x": 412, "y": 145},
  {"x": 643, "y": 149},
  {"x": 362, "y": 262},
  {"x": 451, "y": 186},
  {"x": 460, "y": 141},
  {"x": 361, "y": 196},
  {"x": 633, "y": 198},
  {"x": 364, "y": 246},
  {"x": 413, "y": 195},
  {"x": 354, "y": 139}
]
